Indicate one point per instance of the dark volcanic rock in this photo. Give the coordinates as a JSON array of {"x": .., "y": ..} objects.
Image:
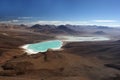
[
  {"x": 115, "y": 66},
  {"x": 17, "y": 67},
  {"x": 52, "y": 29},
  {"x": 66, "y": 29},
  {"x": 116, "y": 77},
  {"x": 99, "y": 33},
  {"x": 8, "y": 73}
]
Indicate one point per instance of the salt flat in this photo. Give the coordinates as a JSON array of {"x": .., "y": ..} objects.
[{"x": 82, "y": 39}]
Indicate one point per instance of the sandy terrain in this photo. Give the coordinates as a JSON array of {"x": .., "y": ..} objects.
[{"x": 77, "y": 60}]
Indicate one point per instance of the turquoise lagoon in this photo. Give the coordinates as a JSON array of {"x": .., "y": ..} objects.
[
  {"x": 42, "y": 46},
  {"x": 57, "y": 44}
]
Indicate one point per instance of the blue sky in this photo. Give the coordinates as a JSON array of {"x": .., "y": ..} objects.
[{"x": 94, "y": 12}]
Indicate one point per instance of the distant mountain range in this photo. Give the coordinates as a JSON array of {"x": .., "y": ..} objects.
[
  {"x": 64, "y": 29},
  {"x": 74, "y": 29},
  {"x": 52, "y": 29}
]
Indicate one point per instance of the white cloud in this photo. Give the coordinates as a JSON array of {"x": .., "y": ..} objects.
[
  {"x": 111, "y": 23},
  {"x": 61, "y": 22},
  {"x": 104, "y": 21},
  {"x": 10, "y": 21},
  {"x": 14, "y": 21},
  {"x": 25, "y": 17}
]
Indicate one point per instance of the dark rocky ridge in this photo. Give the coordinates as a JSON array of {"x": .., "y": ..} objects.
[
  {"x": 52, "y": 29},
  {"x": 99, "y": 33}
]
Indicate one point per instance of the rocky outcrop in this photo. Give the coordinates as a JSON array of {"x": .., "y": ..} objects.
[
  {"x": 115, "y": 66},
  {"x": 52, "y": 29},
  {"x": 15, "y": 68},
  {"x": 99, "y": 33}
]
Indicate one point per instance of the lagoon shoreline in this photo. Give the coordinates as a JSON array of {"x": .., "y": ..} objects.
[{"x": 63, "y": 40}]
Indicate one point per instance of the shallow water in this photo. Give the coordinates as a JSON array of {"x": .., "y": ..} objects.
[
  {"x": 43, "y": 46},
  {"x": 57, "y": 44}
]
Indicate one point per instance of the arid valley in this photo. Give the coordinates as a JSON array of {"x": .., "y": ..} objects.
[{"x": 87, "y": 60}]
